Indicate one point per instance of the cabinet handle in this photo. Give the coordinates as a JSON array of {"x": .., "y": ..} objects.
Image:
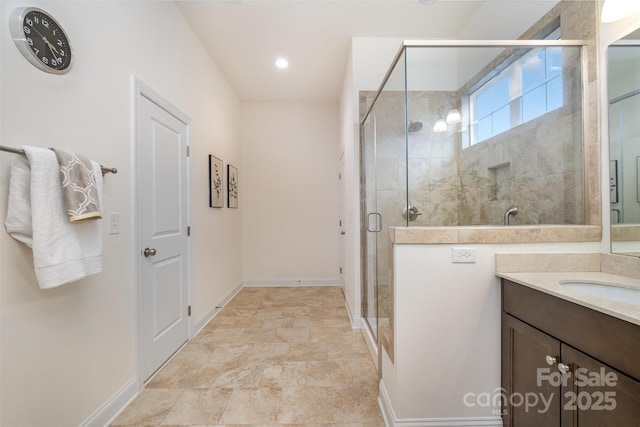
[
  {"x": 563, "y": 368},
  {"x": 551, "y": 360}
]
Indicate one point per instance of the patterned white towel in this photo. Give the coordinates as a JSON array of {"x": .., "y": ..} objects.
[{"x": 79, "y": 186}]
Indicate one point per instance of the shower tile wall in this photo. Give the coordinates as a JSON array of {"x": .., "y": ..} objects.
[{"x": 537, "y": 167}]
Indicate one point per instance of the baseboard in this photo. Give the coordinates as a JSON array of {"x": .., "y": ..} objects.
[
  {"x": 356, "y": 321},
  {"x": 372, "y": 344},
  {"x": 109, "y": 410},
  {"x": 291, "y": 283},
  {"x": 391, "y": 420},
  {"x": 208, "y": 316}
]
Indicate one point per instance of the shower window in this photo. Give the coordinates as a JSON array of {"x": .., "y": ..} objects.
[{"x": 528, "y": 88}]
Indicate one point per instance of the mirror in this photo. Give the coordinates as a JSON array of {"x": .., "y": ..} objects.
[{"x": 624, "y": 144}]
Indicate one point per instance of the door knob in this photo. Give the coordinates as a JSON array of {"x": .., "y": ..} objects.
[
  {"x": 342, "y": 233},
  {"x": 563, "y": 368},
  {"x": 148, "y": 252},
  {"x": 551, "y": 360}
]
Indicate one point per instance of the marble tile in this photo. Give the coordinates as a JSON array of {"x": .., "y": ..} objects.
[
  {"x": 227, "y": 353},
  {"x": 251, "y": 406},
  {"x": 293, "y": 335},
  {"x": 199, "y": 407},
  {"x": 511, "y": 263},
  {"x": 308, "y": 351},
  {"x": 150, "y": 407},
  {"x": 273, "y": 356},
  {"x": 309, "y": 405},
  {"x": 279, "y": 322},
  {"x": 269, "y": 351},
  {"x": 308, "y": 374},
  {"x": 219, "y": 335},
  {"x": 186, "y": 376},
  {"x": 242, "y": 375},
  {"x": 357, "y": 404}
]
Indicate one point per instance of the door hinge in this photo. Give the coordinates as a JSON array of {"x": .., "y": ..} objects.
[
  {"x": 189, "y": 310},
  {"x": 339, "y": 176},
  {"x": 188, "y": 151},
  {"x": 340, "y": 270},
  {"x": 188, "y": 231}
]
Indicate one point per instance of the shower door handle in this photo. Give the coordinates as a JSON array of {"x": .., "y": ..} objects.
[{"x": 378, "y": 222}]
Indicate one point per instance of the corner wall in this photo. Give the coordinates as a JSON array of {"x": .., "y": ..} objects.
[
  {"x": 289, "y": 193},
  {"x": 67, "y": 351}
]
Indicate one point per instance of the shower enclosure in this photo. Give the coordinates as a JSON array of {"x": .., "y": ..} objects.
[{"x": 459, "y": 133}]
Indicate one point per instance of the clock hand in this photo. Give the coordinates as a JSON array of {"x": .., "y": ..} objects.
[
  {"x": 52, "y": 48},
  {"x": 39, "y": 33}
]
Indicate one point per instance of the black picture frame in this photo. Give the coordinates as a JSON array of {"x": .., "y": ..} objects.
[
  {"x": 216, "y": 179},
  {"x": 232, "y": 186}
]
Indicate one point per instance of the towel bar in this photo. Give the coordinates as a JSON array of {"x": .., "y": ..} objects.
[{"x": 105, "y": 170}]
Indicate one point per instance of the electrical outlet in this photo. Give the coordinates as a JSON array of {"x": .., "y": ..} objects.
[
  {"x": 114, "y": 223},
  {"x": 463, "y": 255}
]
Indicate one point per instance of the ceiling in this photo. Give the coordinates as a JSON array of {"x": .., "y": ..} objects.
[{"x": 245, "y": 37}]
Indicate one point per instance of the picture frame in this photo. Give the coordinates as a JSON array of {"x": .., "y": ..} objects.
[
  {"x": 613, "y": 181},
  {"x": 638, "y": 179},
  {"x": 216, "y": 178},
  {"x": 232, "y": 186}
]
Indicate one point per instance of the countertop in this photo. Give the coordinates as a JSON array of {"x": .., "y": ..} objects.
[{"x": 549, "y": 282}]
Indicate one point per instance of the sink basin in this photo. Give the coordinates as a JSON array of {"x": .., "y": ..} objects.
[{"x": 608, "y": 291}]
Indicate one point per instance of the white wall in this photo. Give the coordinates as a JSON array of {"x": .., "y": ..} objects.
[
  {"x": 66, "y": 351},
  {"x": 289, "y": 192},
  {"x": 447, "y": 329}
]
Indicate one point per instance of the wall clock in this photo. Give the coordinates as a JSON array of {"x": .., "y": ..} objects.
[{"x": 41, "y": 39}]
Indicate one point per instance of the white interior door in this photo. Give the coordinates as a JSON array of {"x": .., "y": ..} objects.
[{"x": 163, "y": 208}]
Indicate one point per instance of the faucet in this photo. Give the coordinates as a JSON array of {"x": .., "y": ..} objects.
[{"x": 511, "y": 211}]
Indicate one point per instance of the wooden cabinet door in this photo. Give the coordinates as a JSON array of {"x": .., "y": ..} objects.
[
  {"x": 597, "y": 395},
  {"x": 531, "y": 402}
]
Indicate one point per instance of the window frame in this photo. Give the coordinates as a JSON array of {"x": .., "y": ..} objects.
[{"x": 514, "y": 73}]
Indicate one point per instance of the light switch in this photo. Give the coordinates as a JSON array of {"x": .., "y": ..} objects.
[{"x": 114, "y": 223}]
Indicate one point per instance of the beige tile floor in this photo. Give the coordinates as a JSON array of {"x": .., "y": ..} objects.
[{"x": 271, "y": 356}]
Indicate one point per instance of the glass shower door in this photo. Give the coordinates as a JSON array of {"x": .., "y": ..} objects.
[
  {"x": 384, "y": 176},
  {"x": 372, "y": 226}
]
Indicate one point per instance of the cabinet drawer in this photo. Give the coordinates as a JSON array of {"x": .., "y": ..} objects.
[{"x": 612, "y": 341}]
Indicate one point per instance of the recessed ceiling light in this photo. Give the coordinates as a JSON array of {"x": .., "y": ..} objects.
[
  {"x": 427, "y": 1},
  {"x": 282, "y": 63}
]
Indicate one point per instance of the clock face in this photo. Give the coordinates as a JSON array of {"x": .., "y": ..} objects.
[{"x": 41, "y": 40}]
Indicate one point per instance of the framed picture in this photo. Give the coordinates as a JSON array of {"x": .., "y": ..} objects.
[
  {"x": 638, "y": 178},
  {"x": 216, "y": 194},
  {"x": 613, "y": 181},
  {"x": 232, "y": 187}
]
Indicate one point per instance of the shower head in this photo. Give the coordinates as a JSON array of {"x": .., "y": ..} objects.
[{"x": 414, "y": 126}]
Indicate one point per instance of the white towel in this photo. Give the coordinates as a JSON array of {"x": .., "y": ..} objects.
[{"x": 63, "y": 252}]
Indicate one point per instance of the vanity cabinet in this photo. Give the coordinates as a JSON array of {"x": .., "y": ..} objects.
[{"x": 550, "y": 374}]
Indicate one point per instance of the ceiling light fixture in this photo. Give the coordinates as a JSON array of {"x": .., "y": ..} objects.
[
  {"x": 282, "y": 63},
  {"x": 615, "y": 10},
  {"x": 427, "y": 2}
]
